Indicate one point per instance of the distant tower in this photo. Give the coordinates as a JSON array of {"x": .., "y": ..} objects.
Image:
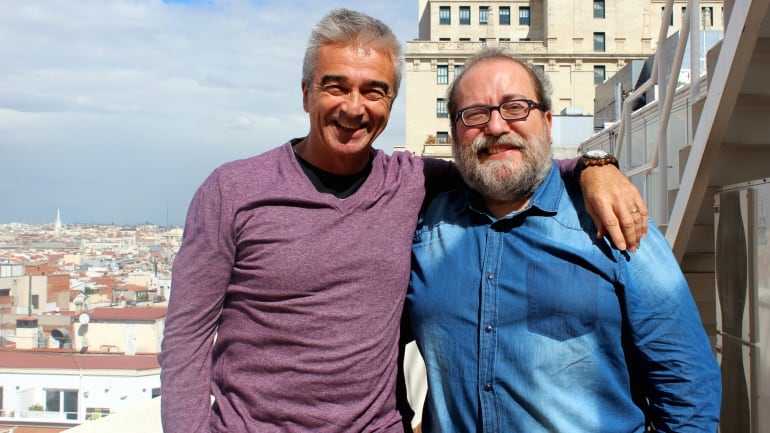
[{"x": 57, "y": 224}]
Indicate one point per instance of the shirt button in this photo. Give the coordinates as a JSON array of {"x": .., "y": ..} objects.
[
  {"x": 490, "y": 276},
  {"x": 488, "y": 328},
  {"x": 488, "y": 387}
]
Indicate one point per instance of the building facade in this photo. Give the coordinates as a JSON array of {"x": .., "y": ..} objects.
[{"x": 578, "y": 44}]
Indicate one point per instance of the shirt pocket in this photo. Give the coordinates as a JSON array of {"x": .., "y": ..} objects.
[{"x": 561, "y": 300}]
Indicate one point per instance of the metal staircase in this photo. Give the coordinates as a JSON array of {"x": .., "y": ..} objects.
[{"x": 727, "y": 139}]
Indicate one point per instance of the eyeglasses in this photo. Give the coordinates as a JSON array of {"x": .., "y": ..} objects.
[{"x": 517, "y": 109}]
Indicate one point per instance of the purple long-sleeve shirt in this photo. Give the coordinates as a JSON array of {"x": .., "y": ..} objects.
[{"x": 286, "y": 302}]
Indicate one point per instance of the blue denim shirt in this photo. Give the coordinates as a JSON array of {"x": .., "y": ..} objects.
[{"x": 531, "y": 324}]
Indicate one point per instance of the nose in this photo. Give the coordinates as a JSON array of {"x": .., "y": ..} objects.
[
  {"x": 353, "y": 104},
  {"x": 496, "y": 126}
]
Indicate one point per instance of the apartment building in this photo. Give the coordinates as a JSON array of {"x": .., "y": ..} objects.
[{"x": 577, "y": 43}]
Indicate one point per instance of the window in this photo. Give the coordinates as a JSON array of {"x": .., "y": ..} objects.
[
  {"x": 444, "y": 16},
  {"x": 663, "y": 13},
  {"x": 459, "y": 70},
  {"x": 505, "y": 39},
  {"x": 600, "y": 74},
  {"x": 62, "y": 401},
  {"x": 540, "y": 68},
  {"x": 444, "y": 39},
  {"x": 465, "y": 39},
  {"x": 483, "y": 14},
  {"x": 465, "y": 15},
  {"x": 442, "y": 137},
  {"x": 441, "y": 110},
  {"x": 442, "y": 74},
  {"x": 599, "y": 45},
  {"x": 505, "y": 15},
  {"x": 598, "y": 8},
  {"x": 524, "y": 15},
  {"x": 707, "y": 17}
]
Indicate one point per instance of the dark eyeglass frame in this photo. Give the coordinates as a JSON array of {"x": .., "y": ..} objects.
[{"x": 490, "y": 108}]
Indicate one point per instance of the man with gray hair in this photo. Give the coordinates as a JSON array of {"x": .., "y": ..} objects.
[
  {"x": 541, "y": 326},
  {"x": 289, "y": 285}
]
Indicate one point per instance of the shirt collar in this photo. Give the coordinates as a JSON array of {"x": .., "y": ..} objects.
[{"x": 545, "y": 200}]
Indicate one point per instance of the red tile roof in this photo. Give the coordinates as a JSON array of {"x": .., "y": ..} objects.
[
  {"x": 75, "y": 361},
  {"x": 138, "y": 313}
]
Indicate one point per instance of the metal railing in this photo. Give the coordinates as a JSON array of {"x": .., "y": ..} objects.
[{"x": 651, "y": 174}]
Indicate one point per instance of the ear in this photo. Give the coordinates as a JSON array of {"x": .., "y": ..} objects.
[
  {"x": 548, "y": 117},
  {"x": 305, "y": 96}
]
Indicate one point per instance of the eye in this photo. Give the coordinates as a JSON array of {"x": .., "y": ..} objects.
[
  {"x": 514, "y": 109},
  {"x": 475, "y": 113},
  {"x": 374, "y": 94},
  {"x": 334, "y": 89},
  {"x": 515, "y": 106}
]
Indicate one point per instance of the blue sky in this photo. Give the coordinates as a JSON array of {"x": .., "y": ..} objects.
[{"x": 115, "y": 111}]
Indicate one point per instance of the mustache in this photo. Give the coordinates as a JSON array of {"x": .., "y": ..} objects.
[{"x": 483, "y": 142}]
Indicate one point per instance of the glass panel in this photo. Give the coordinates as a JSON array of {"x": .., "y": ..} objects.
[
  {"x": 441, "y": 110},
  {"x": 651, "y": 138},
  {"x": 677, "y": 139},
  {"x": 638, "y": 182},
  {"x": 707, "y": 17},
  {"x": 505, "y": 15},
  {"x": 524, "y": 16},
  {"x": 71, "y": 404},
  {"x": 52, "y": 403},
  {"x": 599, "y": 42},
  {"x": 443, "y": 15},
  {"x": 599, "y": 74},
  {"x": 598, "y": 8},
  {"x": 465, "y": 15},
  {"x": 483, "y": 14},
  {"x": 442, "y": 74},
  {"x": 653, "y": 200},
  {"x": 636, "y": 146}
]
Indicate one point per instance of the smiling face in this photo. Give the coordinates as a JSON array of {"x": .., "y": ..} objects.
[
  {"x": 503, "y": 160},
  {"x": 349, "y": 102}
]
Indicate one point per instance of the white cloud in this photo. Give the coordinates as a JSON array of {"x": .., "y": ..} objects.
[{"x": 137, "y": 99}]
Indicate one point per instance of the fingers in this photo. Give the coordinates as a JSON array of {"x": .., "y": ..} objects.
[
  {"x": 632, "y": 223},
  {"x": 615, "y": 206},
  {"x": 621, "y": 229},
  {"x": 625, "y": 224}
]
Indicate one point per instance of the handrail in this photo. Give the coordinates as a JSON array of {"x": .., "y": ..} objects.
[
  {"x": 659, "y": 157},
  {"x": 625, "y": 121}
]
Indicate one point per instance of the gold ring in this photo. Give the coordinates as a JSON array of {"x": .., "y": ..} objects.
[{"x": 634, "y": 210}]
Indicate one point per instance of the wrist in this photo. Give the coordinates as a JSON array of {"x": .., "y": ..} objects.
[{"x": 595, "y": 158}]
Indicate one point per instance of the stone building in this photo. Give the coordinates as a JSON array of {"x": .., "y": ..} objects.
[{"x": 578, "y": 44}]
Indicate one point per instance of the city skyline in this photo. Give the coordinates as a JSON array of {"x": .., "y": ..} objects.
[{"x": 114, "y": 112}]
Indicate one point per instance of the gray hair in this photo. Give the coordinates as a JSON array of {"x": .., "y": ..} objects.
[
  {"x": 543, "y": 89},
  {"x": 346, "y": 27}
]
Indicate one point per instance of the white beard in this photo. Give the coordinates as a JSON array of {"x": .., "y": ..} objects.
[{"x": 505, "y": 180}]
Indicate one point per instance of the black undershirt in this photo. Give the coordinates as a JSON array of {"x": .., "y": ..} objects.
[{"x": 340, "y": 185}]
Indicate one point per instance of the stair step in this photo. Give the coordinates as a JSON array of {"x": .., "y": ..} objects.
[
  {"x": 748, "y": 123},
  {"x": 756, "y": 75},
  {"x": 698, "y": 263},
  {"x": 701, "y": 239},
  {"x": 703, "y": 289}
]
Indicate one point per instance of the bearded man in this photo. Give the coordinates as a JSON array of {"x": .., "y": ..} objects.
[{"x": 541, "y": 326}]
